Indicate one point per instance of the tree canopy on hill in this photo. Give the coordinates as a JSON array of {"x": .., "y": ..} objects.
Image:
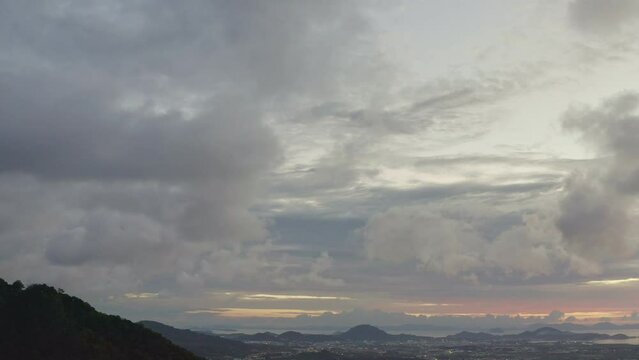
[{"x": 41, "y": 322}]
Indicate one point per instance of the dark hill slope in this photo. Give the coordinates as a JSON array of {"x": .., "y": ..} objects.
[
  {"x": 40, "y": 322},
  {"x": 207, "y": 345}
]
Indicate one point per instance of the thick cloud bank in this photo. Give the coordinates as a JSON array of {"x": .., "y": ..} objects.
[
  {"x": 456, "y": 244},
  {"x": 597, "y": 213},
  {"x": 241, "y": 157},
  {"x": 133, "y": 136},
  {"x": 602, "y": 17}
]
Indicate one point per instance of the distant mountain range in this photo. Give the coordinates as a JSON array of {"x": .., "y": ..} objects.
[
  {"x": 372, "y": 333},
  {"x": 357, "y": 333},
  {"x": 206, "y": 345},
  {"x": 566, "y": 326},
  {"x": 583, "y": 327},
  {"x": 41, "y": 322},
  {"x": 541, "y": 334}
]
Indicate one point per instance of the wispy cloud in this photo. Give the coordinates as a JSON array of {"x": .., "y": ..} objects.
[
  {"x": 291, "y": 297},
  {"x": 260, "y": 313},
  {"x": 613, "y": 281},
  {"x": 144, "y": 295},
  {"x": 422, "y": 304},
  {"x": 597, "y": 315}
]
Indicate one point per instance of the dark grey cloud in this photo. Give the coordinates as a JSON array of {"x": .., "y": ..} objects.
[
  {"x": 55, "y": 129},
  {"x": 437, "y": 192},
  {"x": 133, "y": 136},
  {"x": 596, "y": 212},
  {"x": 189, "y": 148},
  {"x": 594, "y": 221},
  {"x": 602, "y": 16},
  {"x": 521, "y": 159},
  {"x": 448, "y": 100},
  {"x": 315, "y": 234},
  {"x": 440, "y": 103},
  {"x": 363, "y": 201},
  {"x": 270, "y": 49}
]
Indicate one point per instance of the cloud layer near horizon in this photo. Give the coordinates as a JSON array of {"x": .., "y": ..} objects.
[{"x": 346, "y": 152}]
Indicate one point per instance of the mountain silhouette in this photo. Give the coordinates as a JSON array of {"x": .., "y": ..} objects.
[
  {"x": 354, "y": 334},
  {"x": 41, "y": 322},
  {"x": 545, "y": 333},
  {"x": 472, "y": 336},
  {"x": 365, "y": 332},
  {"x": 206, "y": 345}
]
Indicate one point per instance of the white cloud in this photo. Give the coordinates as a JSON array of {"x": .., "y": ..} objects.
[
  {"x": 290, "y": 297},
  {"x": 612, "y": 282},
  {"x": 143, "y": 295},
  {"x": 456, "y": 246}
]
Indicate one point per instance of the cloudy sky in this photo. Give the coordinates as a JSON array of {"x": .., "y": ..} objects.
[{"x": 300, "y": 162}]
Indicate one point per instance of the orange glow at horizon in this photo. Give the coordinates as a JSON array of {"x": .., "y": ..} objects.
[
  {"x": 292, "y": 313},
  {"x": 260, "y": 313},
  {"x": 609, "y": 282}
]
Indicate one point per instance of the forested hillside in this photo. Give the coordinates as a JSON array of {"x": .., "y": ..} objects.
[{"x": 41, "y": 322}]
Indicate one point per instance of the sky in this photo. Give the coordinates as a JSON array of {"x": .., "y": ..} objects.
[{"x": 324, "y": 163}]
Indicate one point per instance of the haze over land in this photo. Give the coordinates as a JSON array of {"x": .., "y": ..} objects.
[{"x": 324, "y": 164}]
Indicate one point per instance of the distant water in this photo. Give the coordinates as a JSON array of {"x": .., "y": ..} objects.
[
  {"x": 431, "y": 333},
  {"x": 276, "y": 331},
  {"x": 633, "y": 341},
  {"x": 629, "y": 332}
]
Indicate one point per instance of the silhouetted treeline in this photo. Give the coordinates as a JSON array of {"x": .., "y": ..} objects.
[{"x": 41, "y": 322}]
